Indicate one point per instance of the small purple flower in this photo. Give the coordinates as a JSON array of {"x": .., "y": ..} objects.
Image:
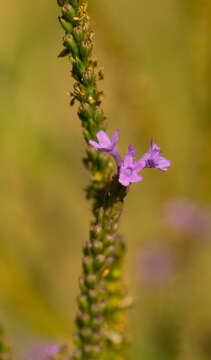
[
  {"x": 107, "y": 145},
  {"x": 185, "y": 216},
  {"x": 43, "y": 352},
  {"x": 153, "y": 159},
  {"x": 129, "y": 169},
  {"x": 51, "y": 350}
]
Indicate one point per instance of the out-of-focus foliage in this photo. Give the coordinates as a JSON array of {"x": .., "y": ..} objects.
[{"x": 157, "y": 64}]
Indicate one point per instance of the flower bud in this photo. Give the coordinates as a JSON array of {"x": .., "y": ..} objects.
[
  {"x": 87, "y": 248},
  {"x": 87, "y": 264},
  {"x": 98, "y": 309},
  {"x": 96, "y": 337},
  {"x": 88, "y": 77},
  {"x": 84, "y": 111},
  {"x": 96, "y": 231},
  {"x": 86, "y": 333},
  {"x": 67, "y": 26},
  {"x": 110, "y": 250},
  {"x": 68, "y": 12},
  {"x": 86, "y": 49},
  {"x": 99, "y": 261},
  {"x": 69, "y": 42},
  {"x": 97, "y": 247},
  {"x": 78, "y": 33},
  {"x": 97, "y": 322},
  {"x": 82, "y": 285},
  {"x": 83, "y": 319},
  {"x": 91, "y": 280},
  {"x": 97, "y": 117},
  {"x": 92, "y": 350},
  {"x": 109, "y": 240},
  {"x": 93, "y": 294},
  {"x": 83, "y": 302}
]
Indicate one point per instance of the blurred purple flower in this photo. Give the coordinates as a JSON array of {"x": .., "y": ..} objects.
[
  {"x": 129, "y": 169},
  {"x": 153, "y": 159},
  {"x": 156, "y": 265},
  {"x": 43, "y": 352},
  {"x": 107, "y": 145},
  {"x": 185, "y": 216}
]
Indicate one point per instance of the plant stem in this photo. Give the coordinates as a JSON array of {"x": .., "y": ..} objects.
[{"x": 100, "y": 319}]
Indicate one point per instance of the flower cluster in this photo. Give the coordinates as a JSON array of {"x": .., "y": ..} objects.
[{"x": 128, "y": 168}]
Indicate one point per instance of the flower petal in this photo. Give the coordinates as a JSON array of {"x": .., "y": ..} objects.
[
  {"x": 123, "y": 179},
  {"x": 94, "y": 144},
  {"x": 163, "y": 164},
  {"x": 135, "y": 178},
  {"x": 129, "y": 157},
  {"x": 115, "y": 138},
  {"x": 103, "y": 139},
  {"x": 139, "y": 164},
  {"x": 153, "y": 146}
]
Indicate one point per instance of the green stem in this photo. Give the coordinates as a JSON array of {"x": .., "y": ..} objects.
[{"x": 101, "y": 304}]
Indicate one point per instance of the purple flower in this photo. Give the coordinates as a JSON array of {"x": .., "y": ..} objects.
[
  {"x": 107, "y": 145},
  {"x": 129, "y": 169},
  {"x": 43, "y": 352},
  {"x": 51, "y": 350},
  {"x": 185, "y": 216},
  {"x": 153, "y": 159}
]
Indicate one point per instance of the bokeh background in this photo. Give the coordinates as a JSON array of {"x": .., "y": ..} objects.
[{"x": 157, "y": 61}]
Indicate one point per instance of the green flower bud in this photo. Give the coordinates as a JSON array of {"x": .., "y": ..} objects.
[
  {"x": 97, "y": 322},
  {"x": 83, "y": 319},
  {"x": 92, "y": 351},
  {"x": 93, "y": 294},
  {"x": 99, "y": 261},
  {"x": 96, "y": 337},
  {"x": 87, "y": 248},
  {"x": 86, "y": 333},
  {"x": 86, "y": 49},
  {"x": 97, "y": 117},
  {"x": 98, "y": 309},
  {"x": 109, "y": 240},
  {"x": 97, "y": 247},
  {"x": 83, "y": 302},
  {"x": 87, "y": 264},
  {"x": 69, "y": 42},
  {"x": 67, "y": 26},
  {"x": 68, "y": 12},
  {"x": 78, "y": 33},
  {"x": 110, "y": 250},
  {"x": 91, "y": 280},
  {"x": 82, "y": 284}
]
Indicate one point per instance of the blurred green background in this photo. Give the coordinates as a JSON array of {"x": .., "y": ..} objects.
[{"x": 157, "y": 61}]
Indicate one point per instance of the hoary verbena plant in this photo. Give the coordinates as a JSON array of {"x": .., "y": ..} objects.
[{"x": 100, "y": 320}]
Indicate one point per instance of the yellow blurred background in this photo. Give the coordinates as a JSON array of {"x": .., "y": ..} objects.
[{"x": 157, "y": 61}]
